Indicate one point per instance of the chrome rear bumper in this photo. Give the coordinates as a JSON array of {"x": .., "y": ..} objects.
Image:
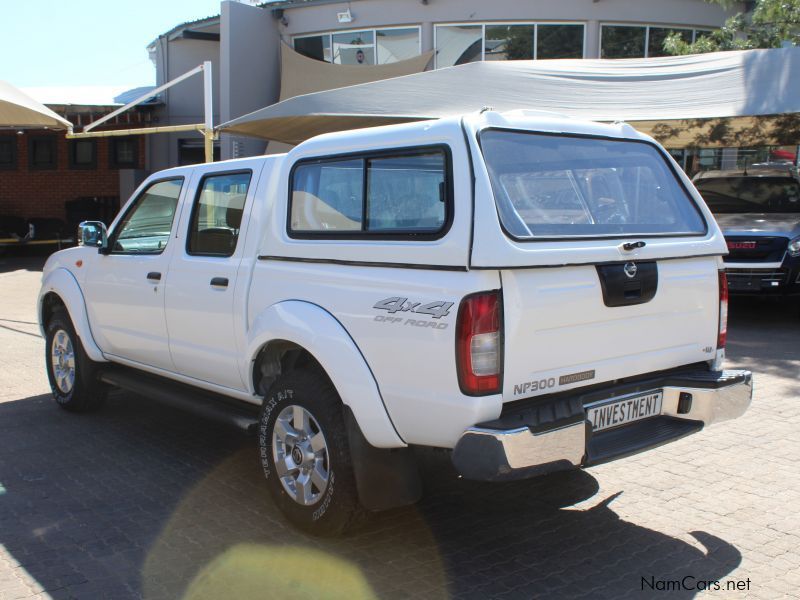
[{"x": 556, "y": 435}]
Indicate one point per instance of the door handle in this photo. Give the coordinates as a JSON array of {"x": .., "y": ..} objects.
[
  {"x": 219, "y": 282},
  {"x": 154, "y": 276}
]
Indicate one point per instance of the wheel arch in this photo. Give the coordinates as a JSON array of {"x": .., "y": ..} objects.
[
  {"x": 294, "y": 332},
  {"x": 61, "y": 289}
]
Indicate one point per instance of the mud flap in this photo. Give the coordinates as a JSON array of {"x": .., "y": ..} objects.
[{"x": 385, "y": 477}]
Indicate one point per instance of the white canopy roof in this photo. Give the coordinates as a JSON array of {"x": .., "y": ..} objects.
[
  {"x": 17, "y": 109},
  {"x": 705, "y": 86}
]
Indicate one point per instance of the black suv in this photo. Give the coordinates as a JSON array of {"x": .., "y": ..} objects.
[{"x": 758, "y": 210}]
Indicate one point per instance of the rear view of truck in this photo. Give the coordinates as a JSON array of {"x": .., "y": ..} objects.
[{"x": 608, "y": 333}]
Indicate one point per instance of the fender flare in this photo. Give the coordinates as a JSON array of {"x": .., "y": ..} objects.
[
  {"x": 325, "y": 338},
  {"x": 63, "y": 284}
]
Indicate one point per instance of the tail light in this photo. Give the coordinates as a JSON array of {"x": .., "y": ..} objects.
[
  {"x": 723, "y": 310},
  {"x": 479, "y": 344}
]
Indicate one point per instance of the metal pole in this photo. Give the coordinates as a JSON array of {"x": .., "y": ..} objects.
[
  {"x": 145, "y": 96},
  {"x": 208, "y": 103}
]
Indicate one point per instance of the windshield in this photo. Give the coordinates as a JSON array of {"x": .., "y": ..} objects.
[
  {"x": 751, "y": 194},
  {"x": 562, "y": 186}
]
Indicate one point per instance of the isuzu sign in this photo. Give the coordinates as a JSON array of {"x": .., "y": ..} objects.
[{"x": 742, "y": 245}]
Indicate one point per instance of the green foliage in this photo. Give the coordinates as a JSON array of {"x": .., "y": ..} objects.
[{"x": 770, "y": 24}]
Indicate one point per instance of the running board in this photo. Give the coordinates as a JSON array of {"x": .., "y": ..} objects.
[{"x": 185, "y": 397}]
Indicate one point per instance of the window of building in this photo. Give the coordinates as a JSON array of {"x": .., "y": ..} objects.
[
  {"x": 82, "y": 154},
  {"x": 657, "y": 35},
  {"x": 404, "y": 193},
  {"x": 460, "y": 44},
  {"x": 146, "y": 227},
  {"x": 42, "y": 152},
  {"x": 361, "y": 47},
  {"x": 193, "y": 152},
  {"x": 394, "y": 45},
  {"x": 623, "y": 41},
  {"x": 124, "y": 153},
  {"x": 559, "y": 41},
  {"x": 354, "y": 48},
  {"x": 317, "y": 47},
  {"x": 8, "y": 153},
  {"x": 217, "y": 215},
  {"x": 641, "y": 41}
]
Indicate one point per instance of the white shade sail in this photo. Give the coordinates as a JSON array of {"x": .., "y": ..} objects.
[
  {"x": 17, "y": 109},
  {"x": 702, "y": 87}
]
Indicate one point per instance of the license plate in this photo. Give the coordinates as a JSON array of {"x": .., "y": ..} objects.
[{"x": 619, "y": 411}]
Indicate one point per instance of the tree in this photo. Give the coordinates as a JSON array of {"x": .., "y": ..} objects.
[{"x": 769, "y": 25}]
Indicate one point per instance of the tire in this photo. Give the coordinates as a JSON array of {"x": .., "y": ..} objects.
[
  {"x": 323, "y": 499},
  {"x": 74, "y": 376}
]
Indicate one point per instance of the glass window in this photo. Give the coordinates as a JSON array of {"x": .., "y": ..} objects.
[
  {"x": 146, "y": 228},
  {"x": 657, "y": 35},
  {"x": 698, "y": 33},
  {"x": 458, "y": 44},
  {"x": 622, "y": 41},
  {"x": 314, "y": 46},
  {"x": 8, "y": 152},
  {"x": 561, "y": 186},
  {"x": 750, "y": 194},
  {"x": 124, "y": 153},
  {"x": 509, "y": 42},
  {"x": 406, "y": 193},
  {"x": 82, "y": 154},
  {"x": 354, "y": 48},
  {"x": 328, "y": 196},
  {"x": 559, "y": 41},
  {"x": 393, "y": 45},
  {"x": 42, "y": 152},
  {"x": 217, "y": 214}
]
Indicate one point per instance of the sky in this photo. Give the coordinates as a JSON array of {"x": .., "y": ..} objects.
[{"x": 51, "y": 44}]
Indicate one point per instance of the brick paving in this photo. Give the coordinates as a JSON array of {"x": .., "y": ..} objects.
[{"x": 143, "y": 501}]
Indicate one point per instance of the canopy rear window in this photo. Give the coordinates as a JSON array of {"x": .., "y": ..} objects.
[
  {"x": 751, "y": 194},
  {"x": 565, "y": 186}
]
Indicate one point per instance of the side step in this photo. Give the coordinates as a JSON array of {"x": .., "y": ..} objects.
[{"x": 185, "y": 397}]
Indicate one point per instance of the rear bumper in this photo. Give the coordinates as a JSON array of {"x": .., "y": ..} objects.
[{"x": 554, "y": 435}]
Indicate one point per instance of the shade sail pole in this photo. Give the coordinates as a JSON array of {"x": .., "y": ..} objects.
[
  {"x": 206, "y": 129},
  {"x": 208, "y": 105}
]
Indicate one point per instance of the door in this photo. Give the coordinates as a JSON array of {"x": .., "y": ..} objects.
[
  {"x": 632, "y": 284},
  {"x": 200, "y": 307},
  {"x": 125, "y": 287}
]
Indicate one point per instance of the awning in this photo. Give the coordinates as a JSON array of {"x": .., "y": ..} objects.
[
  {"x": 302, "y": 75},
  {"x": 688, "y": 99},
  {"x": 20, "y": 110}
]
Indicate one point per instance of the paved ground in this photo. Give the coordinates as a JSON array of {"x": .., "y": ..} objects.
[{"x": 140, "y": 500}]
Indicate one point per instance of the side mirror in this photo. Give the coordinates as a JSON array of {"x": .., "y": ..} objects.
[{"x": 93, "y": 233}]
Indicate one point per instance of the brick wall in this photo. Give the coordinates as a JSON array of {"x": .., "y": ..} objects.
[{"x": 26, "y": 192}]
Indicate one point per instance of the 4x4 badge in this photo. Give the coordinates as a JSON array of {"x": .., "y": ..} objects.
[{"x": 630, "y": 269}]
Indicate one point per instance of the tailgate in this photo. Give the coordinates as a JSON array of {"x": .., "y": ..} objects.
[{"x": 567, "y": 327}]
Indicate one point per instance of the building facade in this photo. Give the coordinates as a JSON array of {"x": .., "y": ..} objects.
[
  {"x": 244, "y": 44},
  {"x": 51, "y": 183}
]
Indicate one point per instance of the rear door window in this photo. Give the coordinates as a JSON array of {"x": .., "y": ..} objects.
[
  {"x": 561, "y": 186},
  {"x": 217, "y": 214}
]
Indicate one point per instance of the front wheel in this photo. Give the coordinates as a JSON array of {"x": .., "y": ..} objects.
[
  {"x": 72, "y": 374},
  {"x": 305, "y": 455}
]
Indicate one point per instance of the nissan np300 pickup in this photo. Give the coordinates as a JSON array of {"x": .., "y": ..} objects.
[{"x": 530, "y": 293}]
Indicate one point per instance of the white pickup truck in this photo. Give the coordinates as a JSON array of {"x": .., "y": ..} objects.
[{"x": 530, "y": 293}]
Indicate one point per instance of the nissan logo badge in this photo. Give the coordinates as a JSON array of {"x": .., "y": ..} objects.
[{"x": 630, "y": 269}]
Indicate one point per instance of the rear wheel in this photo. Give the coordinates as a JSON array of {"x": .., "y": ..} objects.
[
  {"x": 72, "y": 374},
  {"x": 305, "y": 455}
]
